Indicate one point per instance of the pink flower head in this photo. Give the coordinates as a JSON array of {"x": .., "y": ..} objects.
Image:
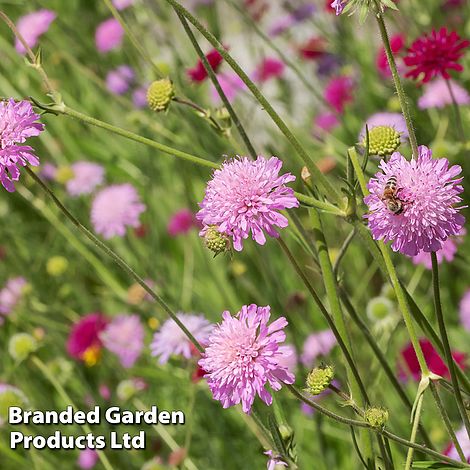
[
  {"x": 274, "y": 460},
  {"x": 244, "y": 197},
  {"x": 231, "y": 85},
  {"x": 122, "y": 4},
  {"x": 435, "y": 54},
  {"x": 170, "y": 339},
  {"x": 326, "y": 122},
  {"x": 86, "y": 177},
  {"x": 124, "y": 336},
  {"x": 139, "y": 97},
  {"x": 317, "y": 344},
  {"x": 428, "y": 191},
  {"x": 436, "y": 94},
  {"x": 447, "y": 252},
  {"x": 10, "y": 295},
  {"x": 464, "y": 441},
  {"x": 87, "y": 459},
  {"x": 432, "y": 358},
  {"x": 338, "y": 6},
  {"x": 338, "y": 92},
  {"x": 48, "y": 171},
  {"x": 268, "y": 68},
  {"x": 198, "y": 73},
  {"x": 114, "y": 208},
  {"x": 32, "y": 26},
  {"x": 397, "y": 44},
  {"x": 85, "y": 334},
  {"x": 394, "y": 120},
  {"x": 109, "y": 35},
  {"x": 288, "y": 358},
  {"x": 119, "y": 80},
  {"x": 243, "y": 357},
  {"x": 464, "y": 310},
  {"x": 17, "y": 123},
  {"x": 181, "y": 223}
]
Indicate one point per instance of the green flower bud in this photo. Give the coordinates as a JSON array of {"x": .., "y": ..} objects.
[
  {"x": 383, "y": 140},
  {"x": 159, "y": 94},
  {"x": 377, "y": 417},
  {"x": 319, "y": 379},
  {"x": 61, "y": 369},
  {"x": 21, "y": 345},
  {"x": 10, "y": 396},
  {"x": 57, "y": 265},
  {"x": 379, "y": 308},
  {"x": 216, "y": 242}
]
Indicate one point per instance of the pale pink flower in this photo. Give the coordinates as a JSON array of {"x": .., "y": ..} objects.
[
  {"x": 10, "y": 295},
  {"x": 87, "y": 459},
  {"x": 122, "y": 4},
  {"x": 436, "y": 94},
  {"x": 109, "y": 35},
  {"x": 32, "y": 26},
  {"x": 464, "y": 310},
  {"x": 86, "y": 177},
  {"x": 317, "y": 344}
]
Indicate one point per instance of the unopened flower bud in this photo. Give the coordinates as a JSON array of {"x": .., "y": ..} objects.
[
  {"x": 126, "y": 389},
  {"x": 383, "y": 140},
  {"x": 10, "y": 396},
  {"x": 305, "y": 175},
  {"x": 221, "y": 114},
  {"x": 159, "y": 94},
  {"x": 57, "y": 265},
  {"x": 377, "y": 417},
  {"x": 64, "y": 174},
  {"x": 379, "y": 308},
  {"x": 21, "y": 345},
  {"x": 216, "y": 242},
  {"x": 319, "y": 379}
]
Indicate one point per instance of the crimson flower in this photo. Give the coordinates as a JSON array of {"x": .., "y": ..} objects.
[
  {"x": 435, "y": 54},
  {"x": 198, "y": 73},
  {"x": 397, "y": 43}
]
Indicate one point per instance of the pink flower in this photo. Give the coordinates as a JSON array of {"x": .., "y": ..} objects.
[
  {"x": 32, "y": 26},
  {"x": 124, "y": 336},
  {"x": 181, "y": 223},
  {"x": 104, "y": 392},
  {"x": 10, "y": 295},
  {"x": 447, "y": 252},
  {"x": 274, "y": 460},
  {"x": 17, "y": 123},
  {"x": 198, "y": 73},
  {"x": 243, "y": 357},
  {"x": 395, "y": 120},
  {"x": 288, "y": 358},
  {"x": 436, "y": 94},
  {"x": 464, "y": 310},
  {"x": 424, "y": 213},
  {"x": 122, "y": 4},
  {"x": 269, "y": 68},
  {"x": 114, "y": 208},
  {"x": 397, "y": 44},
  {"x": 109, "y": 35},
  {"x": 85, "y": 335},
  {"x": 231, "y": 85},
  {"x": 464, "y": 441},
  {"x": 244, "y": 197},
  {"x": 338, "y": 5},
  {"x": 139, "y": 97},
  {"x": 170, "y": 340},
  {"x": 87, "y": 459},
  {"x": 317, "y": 344},
  {"x": 338, "y": 92},
  {"x": 119, "y": 80},
  {"x": 86, "y": 177},
  {"x": 326, "y": 122},
  {"x": 48, "y": 171}
]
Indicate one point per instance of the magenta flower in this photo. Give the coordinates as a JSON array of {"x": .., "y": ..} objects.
[
  {"x": 85, "y": 335},
  {"x": 122, "y": 4},
  {"x": 86, "y": 177},
  {"x": 338, "y": 5},
  {"x": 124, "y": 336},
  {"x": 244, "y": 197},
  {"x": 17, "y": 123},
  {"x": 32, "y": 26},
  {"x": 170, "y": 340},
  {"x": 464, "y": 310},
  {"x": 181, "y": 223},
  {"x": 427, "y": 193},
  {"x": 231, "y": 85},
  {"x": 243, "y": 357},
  {"x": 119, "y": 80},
  {"x": 114, "y": 208},
  {"x": 274, "y": 460},
  {"x": 436, "y": 94},
  {"x": 269, "y": 68},
  {"x": 87, "y": 459},
  {"x": 317, "y": 344},
  {"x": 447, "y": 252},
  {"x": 109, "y": 35},
  {"x": 326, "y": 122},
  {"x": 464, "y": 441},
  {"x": 339, "y": 92},
  {"x": 10, "y": 295},
  {"x": 394, "y": 120}
]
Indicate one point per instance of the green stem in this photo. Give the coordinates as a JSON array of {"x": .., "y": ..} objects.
[
  {"x": 332, "y": 193},
  {"x": 203, "y": 112},
  {"x": 65, "y": 397},
  {"x": 445, "y": 342},
  {"x": 396, "y": 80},
  {"x": 414, "y": 430},
  {"x": 343, "y": 250},
  {"x": 321, "y": 205},
  {"x": 115, "y": 257}
]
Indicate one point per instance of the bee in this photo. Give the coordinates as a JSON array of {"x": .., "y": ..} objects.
[{"x": 390, "y": 197}]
